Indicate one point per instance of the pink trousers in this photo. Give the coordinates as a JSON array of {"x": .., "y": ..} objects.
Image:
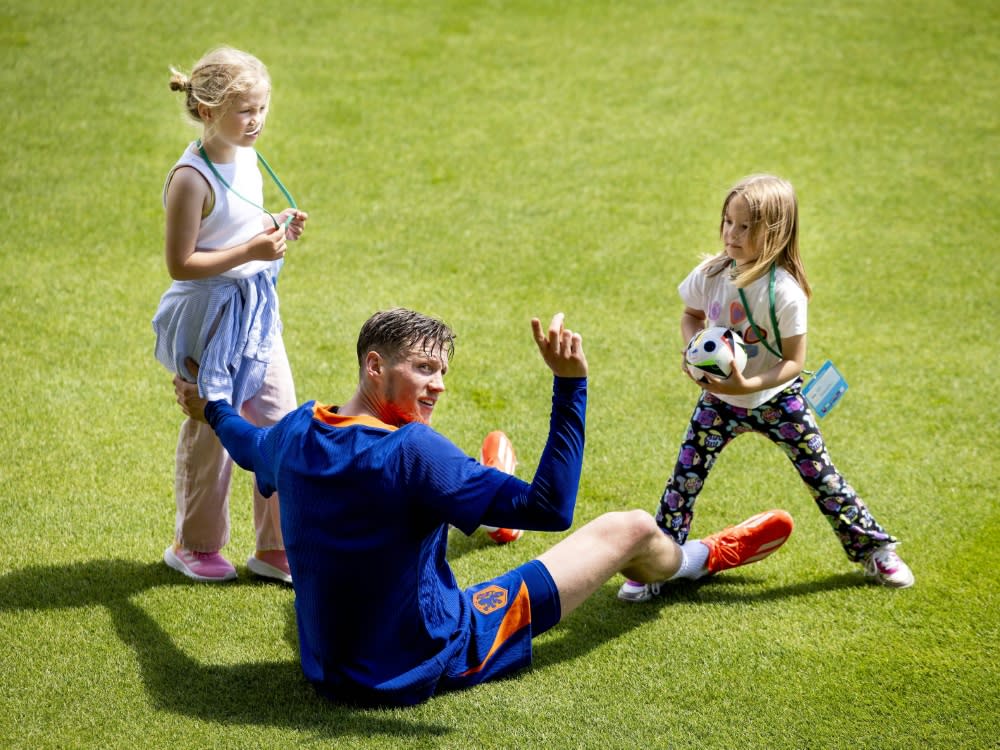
[{"x": 204, "y": 469}]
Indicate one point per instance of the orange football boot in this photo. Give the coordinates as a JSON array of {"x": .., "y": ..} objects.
[
  {"x": 747, "y": 542},
  {"x": 498, "y": 452}
]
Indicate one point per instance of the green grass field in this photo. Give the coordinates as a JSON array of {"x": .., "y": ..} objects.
[{"x": 486, "y": 162}]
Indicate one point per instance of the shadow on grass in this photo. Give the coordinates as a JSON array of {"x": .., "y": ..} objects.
[
  {"x": 601, "y": 619},
  {"x": 276, "y": 693},
  {"x": 264, "y": 693},
  {"x": 459, "y": 544},
  {"x": 730, "y": 588}
]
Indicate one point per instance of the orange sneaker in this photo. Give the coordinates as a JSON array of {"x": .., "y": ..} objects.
[
  {"x": 498, "y": 452},
  {"x": 747, "y": 542},
  {"x": 502, "y": 536}
]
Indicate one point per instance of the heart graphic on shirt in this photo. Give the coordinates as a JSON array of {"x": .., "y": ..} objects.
[
  {"x": 736, "y": 313},
  {"x": 750, "y": 336}
]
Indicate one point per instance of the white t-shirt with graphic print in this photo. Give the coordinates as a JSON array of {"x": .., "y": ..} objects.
[{"x": 719, "y": 299}]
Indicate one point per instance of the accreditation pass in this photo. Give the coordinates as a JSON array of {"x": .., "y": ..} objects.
[{"x": 825, "y": 389}]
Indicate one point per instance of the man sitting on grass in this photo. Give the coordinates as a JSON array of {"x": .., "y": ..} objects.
[{"x": 368, "y": 491}]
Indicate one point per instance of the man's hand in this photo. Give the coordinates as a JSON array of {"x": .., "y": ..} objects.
[
  {"x": 561, "y": 349},
  {"x": 191, "y": 402}
]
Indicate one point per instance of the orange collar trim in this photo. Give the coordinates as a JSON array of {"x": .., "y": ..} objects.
[{"x": 326, "y": 414}]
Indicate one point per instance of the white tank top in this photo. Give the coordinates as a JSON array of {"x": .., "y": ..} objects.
[{"x": 232, "y": 220}]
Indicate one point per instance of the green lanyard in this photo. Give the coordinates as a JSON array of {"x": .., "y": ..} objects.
[
  {"x": 267, "y": 167},
  {"x": 774, "y": 318}
]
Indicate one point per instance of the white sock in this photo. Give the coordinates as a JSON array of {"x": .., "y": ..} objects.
[{"x": 694, "y": 557}]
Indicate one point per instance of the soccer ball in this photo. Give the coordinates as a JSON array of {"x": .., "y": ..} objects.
[{"x": 715, "y": 352}]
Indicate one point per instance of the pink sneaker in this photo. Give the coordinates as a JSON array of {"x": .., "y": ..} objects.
[
  {"x": 201, "y": 566},
  {"x": 884, "y": 566},
  {"x": 633, "y": 591},
  {"x": 271, "y": 563}
]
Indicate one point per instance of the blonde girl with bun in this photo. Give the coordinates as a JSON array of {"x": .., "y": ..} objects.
[{"x": 218, "y": 323}]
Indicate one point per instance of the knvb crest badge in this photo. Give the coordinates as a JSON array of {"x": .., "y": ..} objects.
[{"x": 490, "y": 599}]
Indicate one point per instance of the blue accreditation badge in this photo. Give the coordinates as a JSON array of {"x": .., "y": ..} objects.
[{"x": 825, "y": 389}]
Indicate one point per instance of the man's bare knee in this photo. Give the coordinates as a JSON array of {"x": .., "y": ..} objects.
[{"x": 632, "y": 529}]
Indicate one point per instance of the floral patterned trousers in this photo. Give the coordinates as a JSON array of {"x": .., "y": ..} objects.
[{"x": 787, "y": 421}]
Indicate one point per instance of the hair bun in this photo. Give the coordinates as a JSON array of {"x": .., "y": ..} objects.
[{"x": 179, "y": 81}]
